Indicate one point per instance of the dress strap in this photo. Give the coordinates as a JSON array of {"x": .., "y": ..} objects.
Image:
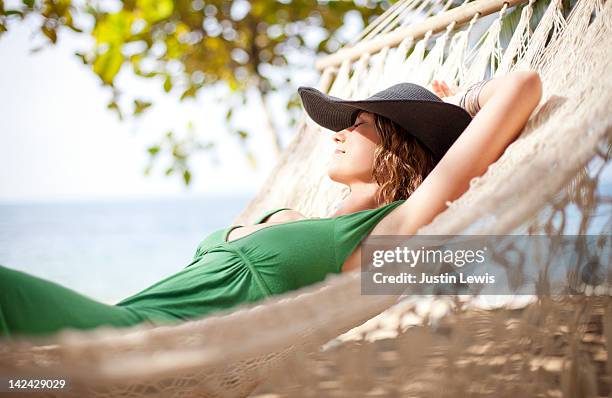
[
  {"x": 268, "y": 214},
  {"x": 350, "y": 229}
]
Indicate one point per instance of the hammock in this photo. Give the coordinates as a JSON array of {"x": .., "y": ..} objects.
[{"x": 331, "y": 338}]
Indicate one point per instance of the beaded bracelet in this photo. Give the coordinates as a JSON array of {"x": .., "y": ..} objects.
[{"x": 469, "y": 100}]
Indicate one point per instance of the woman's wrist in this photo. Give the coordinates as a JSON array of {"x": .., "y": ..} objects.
[
  {"x": 469, "y": 99},
  {"x": 453, "y": 99}
]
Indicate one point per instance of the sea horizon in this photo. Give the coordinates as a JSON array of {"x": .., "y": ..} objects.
[{"x": 109, "y": 248}]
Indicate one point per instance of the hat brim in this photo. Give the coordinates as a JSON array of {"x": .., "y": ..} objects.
[{"x": 420, "y": 118}]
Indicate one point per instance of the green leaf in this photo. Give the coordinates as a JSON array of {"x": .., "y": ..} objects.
[
  {"x": 107, "y": 65},
  {"x": 186, "y": 177},
  {"x": 82, "y": 57},
  {"x": 168, "y": 84},
  {"x": 115, "y": 107},
  {"x": 153, "y": 150},
  {"x": 13, "y": 12},
  {"x": 190, "y": 92},
  {"x": 155, "y": 10},
  {"x": 140, "y": 106},
  {"x": 232, "y": 83},
  {"x": 75, "y": 29},
  {"x": 169, "y": 170},
  {"x": 243, "y": 134},
  {"x": 144, "y": 74},
  {"x": 114, "y": 29},
  {"x": 50, "y": 33}
]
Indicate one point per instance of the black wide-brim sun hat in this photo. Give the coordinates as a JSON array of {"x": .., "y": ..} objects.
[{"x": 424, "y": 115}]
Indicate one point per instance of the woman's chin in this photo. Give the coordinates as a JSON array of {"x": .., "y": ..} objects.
[{"x": 334, "y": 175}]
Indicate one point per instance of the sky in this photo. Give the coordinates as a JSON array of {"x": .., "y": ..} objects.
[{"x": 58, "y": 141}]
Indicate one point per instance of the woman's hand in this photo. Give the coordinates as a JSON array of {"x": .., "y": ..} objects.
[
  {"x": 448, "y": 94},
  {"x": 441, "y": 89}
]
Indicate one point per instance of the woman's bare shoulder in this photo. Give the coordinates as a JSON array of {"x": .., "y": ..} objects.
[
  {"x": 408, "y": 217},
  {"x": 391, "y": 224},
  {"x": 285, "y": 215}
]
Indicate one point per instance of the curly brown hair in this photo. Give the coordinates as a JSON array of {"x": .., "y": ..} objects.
[{"x": 401, "y": 162}]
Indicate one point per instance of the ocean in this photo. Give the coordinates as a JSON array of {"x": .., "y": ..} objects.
[{"x": 109, "y": 249}]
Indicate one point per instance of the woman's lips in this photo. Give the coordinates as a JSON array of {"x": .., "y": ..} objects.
[{"x": 338, "y": 151}]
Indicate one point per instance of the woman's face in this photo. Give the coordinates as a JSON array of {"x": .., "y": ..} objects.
[{"x": 353, "y": 158}]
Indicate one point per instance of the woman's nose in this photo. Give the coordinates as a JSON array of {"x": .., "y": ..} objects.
[{"x": 338, "y": 136}]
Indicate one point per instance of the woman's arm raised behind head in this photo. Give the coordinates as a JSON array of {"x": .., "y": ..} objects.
[{"x": 506, "y": 104}]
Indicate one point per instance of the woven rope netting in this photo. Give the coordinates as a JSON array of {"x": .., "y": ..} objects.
[{"x": 330, "y": 340}]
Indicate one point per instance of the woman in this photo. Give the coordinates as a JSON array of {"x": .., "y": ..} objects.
[{"x": 385, "y": 168}]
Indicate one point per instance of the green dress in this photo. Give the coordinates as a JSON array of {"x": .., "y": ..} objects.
[{"x": 272, "y": 260}]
